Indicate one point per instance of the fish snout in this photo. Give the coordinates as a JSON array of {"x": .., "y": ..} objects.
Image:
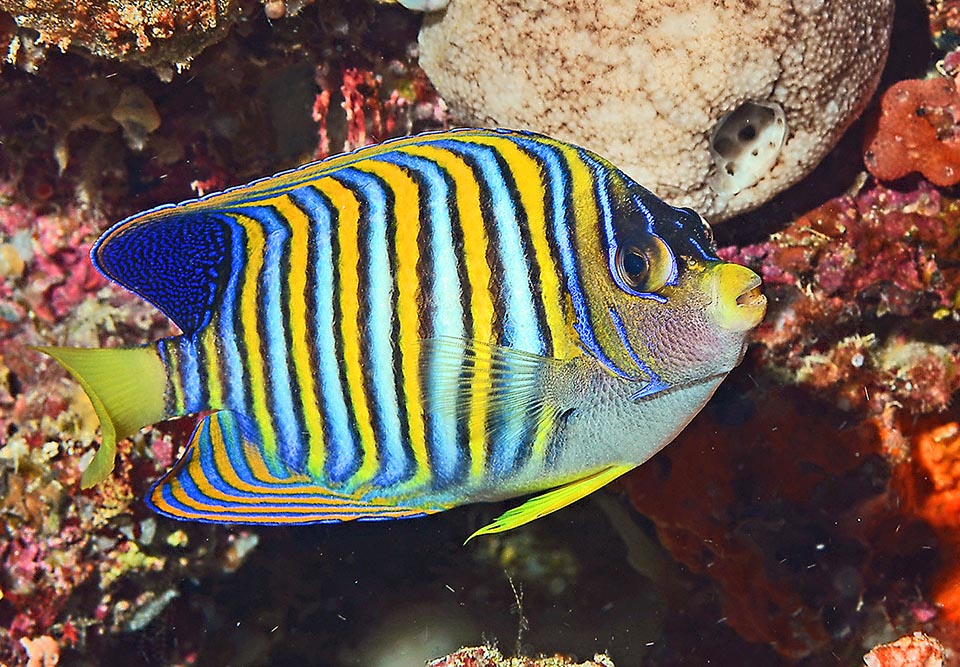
[{"x": 737, "y": 304}]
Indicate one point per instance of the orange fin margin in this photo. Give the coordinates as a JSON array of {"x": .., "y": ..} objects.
[{"x": 221, "y": 478}]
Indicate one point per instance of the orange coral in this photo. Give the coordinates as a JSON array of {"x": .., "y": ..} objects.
[
  {"x": 42, "y": 651},
  {"x": 931, "y": 490},
  {"x": 156, "y": 33},
  {"x": 916, "y": 650},
  {"x": 916, "y": 132}
]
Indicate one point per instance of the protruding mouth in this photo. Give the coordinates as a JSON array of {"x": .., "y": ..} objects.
[
  {"x": 752, "y": 296},
  {"x": 738, "y": 304}
]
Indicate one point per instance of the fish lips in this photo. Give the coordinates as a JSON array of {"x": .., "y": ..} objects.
[{"x": 736, "y": 304}]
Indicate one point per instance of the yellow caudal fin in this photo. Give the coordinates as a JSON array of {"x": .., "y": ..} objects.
[
  {"x": 126, "y": 387},
  {"x": 552, "y": 500}
]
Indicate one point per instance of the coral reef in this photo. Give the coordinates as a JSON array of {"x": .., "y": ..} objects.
[
  {"x": 718, "y": 108},
  {"x": 487, "y": 656},
  {"x": 929, "y": 490},
  {"x": 916, "y": 132},
  {"x": 850, "y": 285},
  {"x": 813, "y": 507},
  {"x": 917, "y": 650},
  {"x": 162, "y": 34},
  {"x": 769, "y": 535},
  {"x": 94, "y": 573},
  {"x": 71, "y": 562}
]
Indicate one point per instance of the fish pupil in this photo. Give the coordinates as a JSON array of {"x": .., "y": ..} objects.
[{"x": 634, "y": 266}]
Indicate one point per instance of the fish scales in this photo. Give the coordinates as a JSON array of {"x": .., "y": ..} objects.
[
  {"x": 507, "y": 278},
  {"x": 435, "y": 320}
]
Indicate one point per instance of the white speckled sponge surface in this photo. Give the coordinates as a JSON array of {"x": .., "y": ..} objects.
[{"x": 646, "y": 83}]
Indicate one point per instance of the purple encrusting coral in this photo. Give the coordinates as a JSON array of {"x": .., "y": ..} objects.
[{"x": 851, "y": 283}]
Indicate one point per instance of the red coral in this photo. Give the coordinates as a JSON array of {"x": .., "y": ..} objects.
[
  {"x": 321, "y": 108},
  {"x": 917, "y": 132},
  {"x": 930, "y": 489},
  {"x": 373, "y": 111},
  {"x": 360, "y": 99},
  {"x": 766, "y": 562}
]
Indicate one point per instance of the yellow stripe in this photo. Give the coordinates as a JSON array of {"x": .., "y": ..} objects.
[
  {"x": 173, "y": 373},
  {"x": 541, "y": 439},
  {"x": 249, "y": 316},
  {"x": 315, "y": 509},
  {"x": 299, "y": 332},
  {"x": 315, "y": 502},
  {"x": 475, "y": 244},
  {"x": 214, "y": 387},
  {"x": 530, "y": 184},
  {"x": 225, "y": 466},
  {"x": 406, "y": 207},
  {"x": 348, "y": 263}
]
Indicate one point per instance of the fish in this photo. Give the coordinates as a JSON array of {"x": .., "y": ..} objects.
[{"x": 454, "y": 317}]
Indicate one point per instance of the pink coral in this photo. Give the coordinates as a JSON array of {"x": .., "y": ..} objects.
[{"x": 835, "y": 271}]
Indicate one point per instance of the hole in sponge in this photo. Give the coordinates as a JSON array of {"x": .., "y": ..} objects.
[{"x": 745, "y": 144}]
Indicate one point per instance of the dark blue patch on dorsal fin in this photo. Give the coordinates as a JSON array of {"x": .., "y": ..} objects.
[{"x": 177, "y": 260}]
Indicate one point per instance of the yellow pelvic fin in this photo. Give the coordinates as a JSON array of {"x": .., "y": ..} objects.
[
  {"x": 552, "y": 500},
  {"x": 126, "y": 387}
]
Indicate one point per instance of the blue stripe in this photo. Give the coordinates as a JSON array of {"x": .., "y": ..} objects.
[
  {"x": 190, "y": 375},
  {"x": 341, "y": 445},
  {"x": 703, "y": 252},
  {"x": 446, "y": 312},
  {"x": 655, "y": 383},
  {"x": 236, "y": 398},
  {"x": 610, "y": 237},
  {"x": 386, "y": 408},
  {"x": 521, "y": 327},
  {"x": 560, "y": 189},
  {"x": 290, "y": 445}
]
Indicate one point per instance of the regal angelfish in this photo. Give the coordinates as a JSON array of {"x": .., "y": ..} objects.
[{"x": 442, "y": 319}]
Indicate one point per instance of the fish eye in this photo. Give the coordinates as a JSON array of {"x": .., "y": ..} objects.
[
  {"x": 647, "y": 267},
  {"x": 633, "y": 266}
]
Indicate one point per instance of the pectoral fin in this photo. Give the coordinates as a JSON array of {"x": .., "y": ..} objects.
[
  {"x": 552, "y": 500},
  {"x": 520, "y": 397}
]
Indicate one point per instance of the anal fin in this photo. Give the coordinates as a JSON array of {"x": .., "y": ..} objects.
[
  {"x": 553, "y": 500},
  {"x": 222, "y": 478}
]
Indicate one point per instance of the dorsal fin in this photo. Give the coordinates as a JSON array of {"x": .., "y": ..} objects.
[{"x": 175, "y": 257}]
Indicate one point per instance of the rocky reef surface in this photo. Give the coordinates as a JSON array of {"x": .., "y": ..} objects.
[{"x": 810, "y": 514}]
